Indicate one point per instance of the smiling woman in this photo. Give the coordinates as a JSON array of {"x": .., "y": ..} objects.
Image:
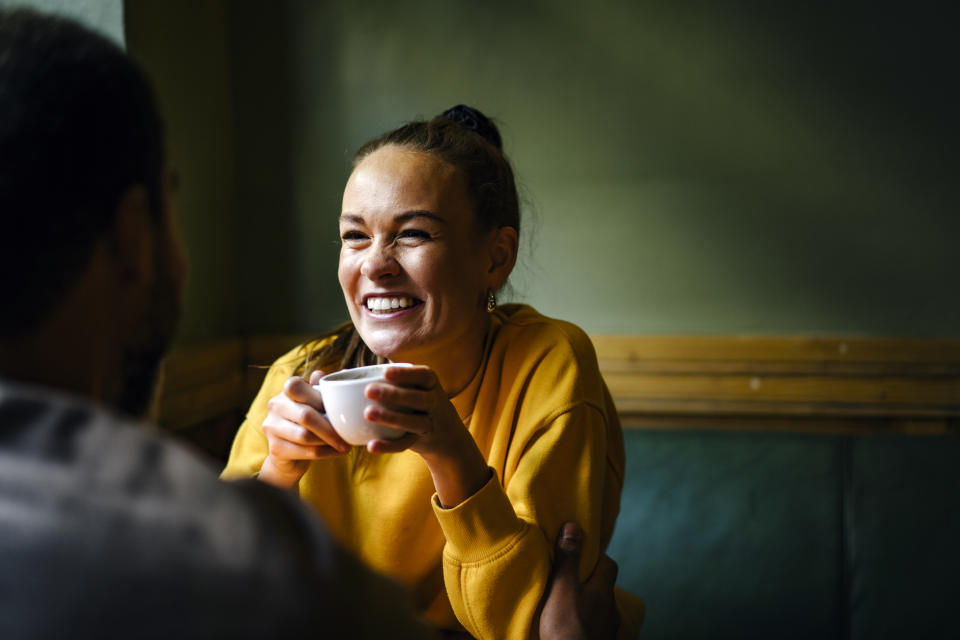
[{"x": 504, "y": 418}]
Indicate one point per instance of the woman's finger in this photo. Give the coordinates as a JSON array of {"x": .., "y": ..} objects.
[
  {"x": 418, "y": 423},
  {"x": 416, "y": 376},
  {"x": 299, "y": 390},
  {"x": 283, "y": 429},
  {"x": 285, "y": 450},
  {"x": 289, "y": 441},
  {"x": 392, "y": 446},
  {"x": 401, "y": 398},
  {"x": 283, "y": 408},
  {"x": 289, "y": 409}
]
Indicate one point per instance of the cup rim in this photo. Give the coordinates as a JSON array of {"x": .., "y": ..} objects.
[{"x": 331, "y": 379}]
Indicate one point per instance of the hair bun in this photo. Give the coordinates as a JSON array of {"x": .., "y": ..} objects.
[{"x": 475, "y": 121}]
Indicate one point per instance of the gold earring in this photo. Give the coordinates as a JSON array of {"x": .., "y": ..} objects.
[{"x": 491, "y": 301}]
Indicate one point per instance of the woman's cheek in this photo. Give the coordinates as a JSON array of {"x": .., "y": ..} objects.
[{"x": 347, "y": 269}]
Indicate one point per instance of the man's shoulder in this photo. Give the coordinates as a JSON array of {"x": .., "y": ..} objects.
[
  {"x": 98, "y": 507},
  {"x": 117, "y": 483}
]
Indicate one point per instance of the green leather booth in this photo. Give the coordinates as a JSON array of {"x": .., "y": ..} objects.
[{"x": 771, "y": 535}]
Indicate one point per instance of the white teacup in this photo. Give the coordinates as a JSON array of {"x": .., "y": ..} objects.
[{"x": 344, "y": 402}]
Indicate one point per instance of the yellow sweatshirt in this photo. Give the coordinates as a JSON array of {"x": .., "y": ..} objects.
[{"x": 543, "y": 418}]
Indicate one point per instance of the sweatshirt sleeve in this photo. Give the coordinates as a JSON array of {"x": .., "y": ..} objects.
[
  {"x": 250, "y": 446},
  {"x": 499, "y": 542}
]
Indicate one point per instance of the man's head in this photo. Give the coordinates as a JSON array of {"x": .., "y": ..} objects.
[{"x": 81, "y": 141}]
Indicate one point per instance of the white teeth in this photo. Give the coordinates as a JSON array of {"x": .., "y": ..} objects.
[{"x": 381, "y": 305}]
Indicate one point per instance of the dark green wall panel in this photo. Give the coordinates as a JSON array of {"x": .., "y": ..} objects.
[
  {"x": 905, "y": 538},
  {"x": 731, "y": 535}
]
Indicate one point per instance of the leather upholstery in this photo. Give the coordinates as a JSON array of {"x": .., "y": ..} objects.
[{"x": 763, "y": 535}]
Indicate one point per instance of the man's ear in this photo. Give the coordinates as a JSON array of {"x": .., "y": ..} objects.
[
  {"x": 503, "y": 255},
  {"x": 133, "y": 237}
]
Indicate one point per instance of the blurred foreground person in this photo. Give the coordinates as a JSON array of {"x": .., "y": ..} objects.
[{"x": 109, "y": 528}]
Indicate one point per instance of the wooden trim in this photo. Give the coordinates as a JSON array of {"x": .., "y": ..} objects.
[
  {"x": 206, "y": 381},
  {"x": 200, "y": 383},
  {"x": 261, "y": 351},
  {"x": 802, "y": 384},
  {"x": 837, "y": 385},
  {"x": 813, "y": 425},
  {"x": 638, "y": 348}
]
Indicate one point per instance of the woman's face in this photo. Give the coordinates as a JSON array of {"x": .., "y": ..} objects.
[{"x": 414, "y": 265}]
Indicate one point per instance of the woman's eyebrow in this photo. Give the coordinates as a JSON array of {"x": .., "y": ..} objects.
[
  {"x": 403, "y": 217},
  {"x": 410, "y": 215}
]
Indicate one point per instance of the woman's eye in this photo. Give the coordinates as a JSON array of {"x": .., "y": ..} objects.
[
  {"x": 419, "y": 234},
  {"x": 347, "y": 236}
]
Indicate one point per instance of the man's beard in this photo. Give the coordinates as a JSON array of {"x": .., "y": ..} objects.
[{"x": 145, "y": 350}]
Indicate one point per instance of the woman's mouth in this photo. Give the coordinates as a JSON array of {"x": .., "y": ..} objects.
[{"x": 382, "y": 305}]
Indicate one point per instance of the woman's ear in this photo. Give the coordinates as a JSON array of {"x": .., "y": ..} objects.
[{"x": 503, "y": 255}]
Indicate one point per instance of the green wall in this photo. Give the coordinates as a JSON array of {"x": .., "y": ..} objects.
[
  {"x": 687, "y": 168},
  {"x": 105, "y": 16},
  {"x": 182, "y": 44}
]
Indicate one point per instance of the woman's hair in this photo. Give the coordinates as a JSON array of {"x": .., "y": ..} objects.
[{"x": 467, "y": 140}]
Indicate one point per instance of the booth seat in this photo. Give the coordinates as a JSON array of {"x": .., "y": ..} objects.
[{"x": 771, "y": 535}]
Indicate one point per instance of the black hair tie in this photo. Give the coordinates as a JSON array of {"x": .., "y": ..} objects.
[{"x": 475, "y": 121}]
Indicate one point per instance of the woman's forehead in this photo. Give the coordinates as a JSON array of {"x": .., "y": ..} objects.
[
  {"x": 395, "y": 162},
  {"x": 393, "y": 177}
]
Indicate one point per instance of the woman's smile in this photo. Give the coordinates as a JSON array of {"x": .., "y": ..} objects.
[{"x": 383, "y": 306}]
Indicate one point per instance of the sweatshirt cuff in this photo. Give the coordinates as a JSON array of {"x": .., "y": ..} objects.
[{"x": 481, "y": 525}]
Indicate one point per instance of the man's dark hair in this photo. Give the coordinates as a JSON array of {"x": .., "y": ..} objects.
[{"x": 79, "y": 125}]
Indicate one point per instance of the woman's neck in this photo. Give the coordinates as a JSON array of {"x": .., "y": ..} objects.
[{"x": 456, "y": 364}]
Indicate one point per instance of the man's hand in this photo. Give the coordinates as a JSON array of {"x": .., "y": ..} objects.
[{"x": 574, "y": 611}]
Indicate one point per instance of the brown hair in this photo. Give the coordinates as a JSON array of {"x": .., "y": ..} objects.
[{"x": 467, "y": 140}]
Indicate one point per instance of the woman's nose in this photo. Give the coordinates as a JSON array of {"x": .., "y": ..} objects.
[{"x": 379, "y": 262}]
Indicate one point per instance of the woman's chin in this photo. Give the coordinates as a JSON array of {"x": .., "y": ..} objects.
[
  {"x": 403, "y": 344},
  {"x": 393, "y": 349}
]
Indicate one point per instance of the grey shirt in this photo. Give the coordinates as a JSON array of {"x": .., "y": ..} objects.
[{"x": 109, "y": 528}]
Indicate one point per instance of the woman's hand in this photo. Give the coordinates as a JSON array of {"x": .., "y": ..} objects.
[
  {"x": 297, "y": 432},
  {"x": 411, "y": 399}
]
